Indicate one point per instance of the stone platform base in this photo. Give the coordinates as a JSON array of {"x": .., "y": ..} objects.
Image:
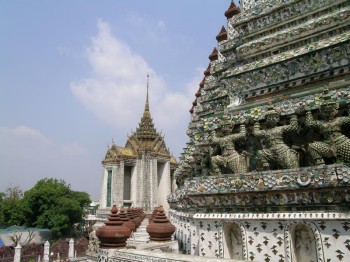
[
  {"x": 278, "y": 236},
  {"x": 130, "y": 255}
]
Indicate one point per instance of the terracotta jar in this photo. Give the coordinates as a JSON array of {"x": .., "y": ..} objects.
[
  {"x": 154, "y": 213},
  {"x": 137, "y": 220},
  {"x": 140, "y": 213},
  {"x": 113, "y": 234},
  {"x": 126, "y": 220},
  {"x": 143, "y": 215},
  {"x": 131, "y": 217},
  {"x": 161, "y": 229}
]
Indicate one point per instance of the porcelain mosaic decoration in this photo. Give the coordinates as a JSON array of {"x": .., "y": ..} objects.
[{"x": 265, "y": 175}]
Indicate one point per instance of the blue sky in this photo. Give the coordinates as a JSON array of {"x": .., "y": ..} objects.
[{"x": 73, "y": 77}]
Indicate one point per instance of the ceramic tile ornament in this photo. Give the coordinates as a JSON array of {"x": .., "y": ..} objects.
[{"x": 282, "y": 191}]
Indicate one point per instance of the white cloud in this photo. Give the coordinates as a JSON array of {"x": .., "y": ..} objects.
[
  {"x": 107, "y": 55},
  {"x": 193, "y": 85},
  {"x": 27, "y": 155},
  {"x": 23, "y": 134},
  {"x": 24, "y": 131},
  {"x": 73, "y": 149},
  {"x": 116, "y": 90}
]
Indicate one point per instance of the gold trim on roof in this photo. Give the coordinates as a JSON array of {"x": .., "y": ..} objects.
[
  {"x": 127, "y": 152},
  {"x": 144, "y": 139}
]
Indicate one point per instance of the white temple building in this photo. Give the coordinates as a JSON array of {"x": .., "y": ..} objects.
[{"x": 139, "y": 174}]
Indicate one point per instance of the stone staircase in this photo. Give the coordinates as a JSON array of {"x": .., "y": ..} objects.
[{"x": 140, "y": 236}]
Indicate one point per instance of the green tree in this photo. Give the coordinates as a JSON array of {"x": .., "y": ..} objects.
[
  {"x": 2, "y": 221},
  {"x": 52, "y": 204},
  {"x": 11, "y": 207}
]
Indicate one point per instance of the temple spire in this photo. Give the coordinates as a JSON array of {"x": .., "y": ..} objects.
[
  {"x": 146, "y": 113},
  {"x": 146, "y": 128},
  {"x": 147, "y": 103},
  {"x": 146, "y": 137}
]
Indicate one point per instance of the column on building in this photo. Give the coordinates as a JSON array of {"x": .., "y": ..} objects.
[
  {"x": 153, "y": 183},
  {"x": 135, "y": 175},
  {"x": 163, "y": 183},
  {"x": 118, "y": 184}
]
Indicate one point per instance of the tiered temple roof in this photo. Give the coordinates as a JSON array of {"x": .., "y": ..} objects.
[{"x": 144, "y": 139}]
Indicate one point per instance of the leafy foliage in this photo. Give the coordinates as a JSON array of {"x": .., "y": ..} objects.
[
  {"x": 49, "y": 204},
  {"x": 11, "y": 206}
]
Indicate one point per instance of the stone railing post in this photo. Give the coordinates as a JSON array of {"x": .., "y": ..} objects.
[
  {"x": 71, "y": 249},
  {"x": 18, "y": 250},
  {"x": 46, "y": 252}
]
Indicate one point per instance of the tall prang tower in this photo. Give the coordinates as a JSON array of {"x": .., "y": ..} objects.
[
  {"x": 140, "y": 173},
  {"x": 265, "y": 174}
]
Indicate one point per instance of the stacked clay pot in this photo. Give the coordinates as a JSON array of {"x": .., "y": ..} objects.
[
  {"x": 132, "y": 217},
  {"x": 136, "y": 217},
  {"x": 126, "y": 220},
  {"x": 161, "y": 229},
  {"x": 154, "y": 213},
  {"x": 113, "y": 234},
  {"x": 140, "y": 213}
]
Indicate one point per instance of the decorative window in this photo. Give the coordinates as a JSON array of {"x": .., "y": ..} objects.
[{"x": 109, "y": 188}]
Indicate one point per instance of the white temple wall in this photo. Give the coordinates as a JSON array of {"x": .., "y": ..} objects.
[
  {"x": 139, "y": 186},
  {"x": 194, "y": 235},
  {"x": 153, "y": 183},
  {"x": 118, "y": 184},
  {"x": 147, "y": 190},
  {"x": 184, "y": 227},
  {"x": 145, "y": 182},
  {"x": 210, "y": 241},
  {"x": 103, "y": 189},
  {"x": 164, "y": 184},
  {"x": 127, "y": 182},
  {"x": 265, "y": 238},
  {"x": 134, "y": 185},
  {"x": 103, "y": 195}
]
